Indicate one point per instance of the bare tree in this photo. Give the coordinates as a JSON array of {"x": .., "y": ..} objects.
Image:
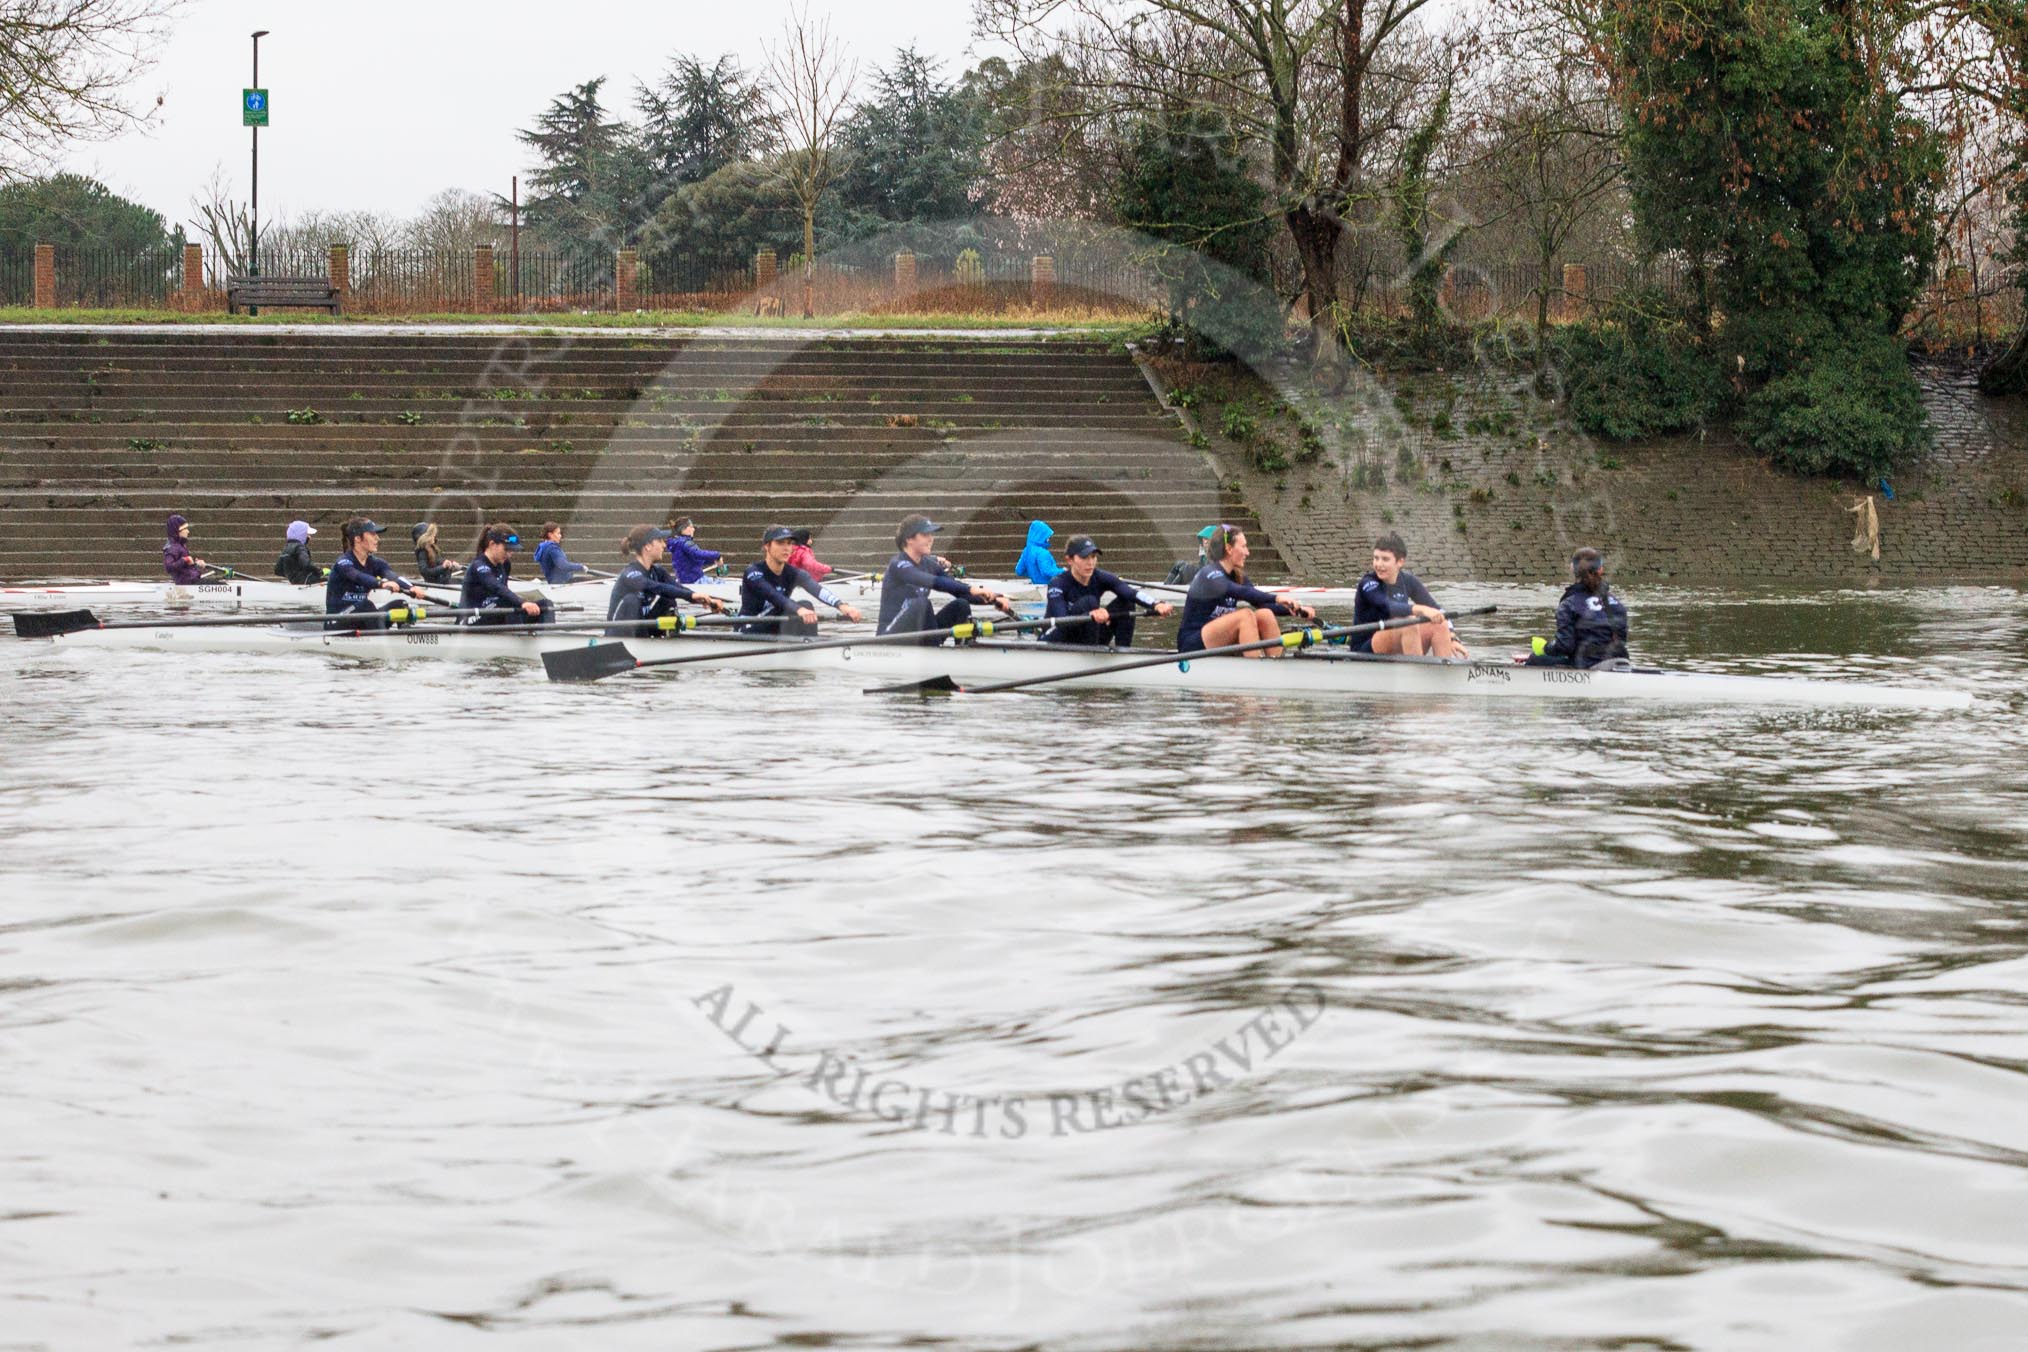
[
  {"x": 1297, "y": 77},
  {"x": 226, "y": 224},
  {"x": 1551, "y": 162},
  {"x": 66, "y": 71},
  {"x": 810, "y": 81}
]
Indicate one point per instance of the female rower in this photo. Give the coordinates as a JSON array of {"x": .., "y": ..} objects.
[
  {"x": 357, "y": 574},
  {"x": 1211, "y": 618},
  {"x": 1081, "y": 589},
  {"x": 644, "y": 589},
  {"x": 295, "y": 563},
  {"x": 556, "y": 566},
  {"x": 1390, "y": 592},
  {"x": 688, "y": 560},
  {"x": 431, "y": 566},
  {"x": 767, "y": 591},
  {"x": 177, "y": 561},
  {"x": 487, "y": 583},
  {"x": 913, "y": 574}
]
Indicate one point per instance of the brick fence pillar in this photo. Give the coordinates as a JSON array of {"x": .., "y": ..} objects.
[
  {"x": 340, "y": 268},
  {"x": 626, "y": 280},
  {"x": 1574, "y": 290},
  {"x": 1041, "y": 279},
  {"x": 482, "y": 279},
  {"x": 904, "y": 273},
  {"x": 193, "y": 271},
  {"x": 45, "y": 276}
]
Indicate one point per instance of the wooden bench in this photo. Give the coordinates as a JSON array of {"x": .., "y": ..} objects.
[{"x": 306, "y": 293}]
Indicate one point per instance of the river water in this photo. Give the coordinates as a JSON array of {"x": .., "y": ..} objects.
[{"x": 436, "y": 1006}]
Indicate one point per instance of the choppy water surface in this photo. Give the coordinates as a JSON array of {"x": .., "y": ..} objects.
[{"x": 375, "y": 1006}]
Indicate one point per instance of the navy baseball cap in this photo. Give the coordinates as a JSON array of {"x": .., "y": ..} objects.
[
  {"x": 915, "y": 525},
  {"x": 774, "y": 533},
  {"x": 1082, "y": 545},
  {"x": 373, "y": 526}
]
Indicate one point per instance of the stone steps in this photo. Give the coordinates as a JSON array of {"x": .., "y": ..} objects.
[{"x": 737, "y": 434}]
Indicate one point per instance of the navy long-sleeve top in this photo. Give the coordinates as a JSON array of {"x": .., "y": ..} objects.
[
  {"x": 907, "y": 581},
  {"x": 762, "y": 592},
  {"x": 1067, "y": 597},
  {"x": 351, "y": 584},
  {"x": 1376, "y": 600},
  {"x": 641, "y": 593},
  {"x": 1212, "y": 590},
  {"x": 486, "y": 585}
]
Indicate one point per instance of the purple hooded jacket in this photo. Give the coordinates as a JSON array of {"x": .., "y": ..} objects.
[{"x": 176, "y": 559}]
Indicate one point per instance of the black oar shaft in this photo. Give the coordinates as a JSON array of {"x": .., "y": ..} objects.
[{"x": 1295, "y": 638}]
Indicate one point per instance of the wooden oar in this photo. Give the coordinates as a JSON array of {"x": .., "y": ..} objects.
[
  {"x": 613, "y": 659},
  {"x": 56, "y": 623},
  {"x": 1297, "y": 638}
]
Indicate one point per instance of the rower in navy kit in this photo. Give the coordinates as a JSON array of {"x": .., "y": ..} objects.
[
  {"x": 488, "y": 583},
  {"x": 356, "y": 575},
  {"x": 1591, "y": 623},
  {"x": 1081, "y": 589},
  {"x": 644, "y": 589},
  {"x": 769, "y": 586},
  {"x": 1390, "y": 592},
  {"x": 912, "y": 574},
  {"x": 1211, "y": 614}
]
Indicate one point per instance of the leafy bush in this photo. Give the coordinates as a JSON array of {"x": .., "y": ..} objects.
[
  {"x": 1237, "y": 423},
  {"x": 1632, "y": 380},
  {"x": 1851, "y": 407}
]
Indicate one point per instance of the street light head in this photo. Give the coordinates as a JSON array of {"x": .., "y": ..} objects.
[{"x": 260, "y": 32}]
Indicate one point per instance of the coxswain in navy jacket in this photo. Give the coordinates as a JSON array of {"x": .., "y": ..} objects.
[
  {"x": 556, "y": 565},
  {"x": 1591, "y": 627},
  {"x": 905, "y": 588},
  {"x": 689, "y": 560},
  {"x": 641, "y": 593},
  {"x": 487, "y": 588},
  {"x": 1376, "y": 600},
  {"x": 764, "y": 593},
  {"x": 1212, "y": 593},
  {"x": 1067, "y": 597}
]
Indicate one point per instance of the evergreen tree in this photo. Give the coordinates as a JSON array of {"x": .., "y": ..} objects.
[
  {"x": 1187, "y": 187},
  {"x": 76, "y": 210},
  {"x": 914, "y": 151},
  {"x": 591, "y": 177}
]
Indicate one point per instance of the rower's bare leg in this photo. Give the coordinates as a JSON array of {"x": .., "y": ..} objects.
[
  {"x": 1389, "y": 641},
  {"x": 1438, "y": 639},
  {"x": 1269, "y": 628},
  {"x": 1238, "y": 627}
]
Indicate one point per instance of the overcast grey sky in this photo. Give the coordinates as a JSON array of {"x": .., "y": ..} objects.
[{"x": 381, "y": 103}]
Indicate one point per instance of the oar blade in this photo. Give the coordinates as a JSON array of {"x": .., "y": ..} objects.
[
  {"x": 52, "y": 623},
  {"x": 594, "y": 662},
  {"x": 943, "y": 685}
]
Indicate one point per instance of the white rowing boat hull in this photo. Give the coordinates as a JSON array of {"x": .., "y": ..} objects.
[
  {"x": 398, "y": 646},
  {"x": 1340, "y": 674},
  {"x": 1322, "y": 674}
]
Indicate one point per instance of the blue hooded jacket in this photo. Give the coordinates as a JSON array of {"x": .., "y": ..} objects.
[
  {"x": 1035, "y": 563},
  {"x": 689, "y": 560},
  {"x": 556, "y": 565}
]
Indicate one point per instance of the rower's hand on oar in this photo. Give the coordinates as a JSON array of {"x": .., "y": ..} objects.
[
  {"x": 1099, "y": 615},
  {"x": 851, "y": 613},
  {"x": 1162, "y": 610},
  {"x": 806, "y": 615},
  {"x": 1300, "y": 611},
  {"x": 530, "y": 609},
  {"x": 710, "y": 603},
  {"x": 1430, "y": 613}
]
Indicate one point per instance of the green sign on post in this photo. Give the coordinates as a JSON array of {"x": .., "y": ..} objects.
[{"x": 253, "y": 108}]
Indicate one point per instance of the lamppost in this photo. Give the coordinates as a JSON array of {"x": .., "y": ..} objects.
[{"x": 254, "y": 228}]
